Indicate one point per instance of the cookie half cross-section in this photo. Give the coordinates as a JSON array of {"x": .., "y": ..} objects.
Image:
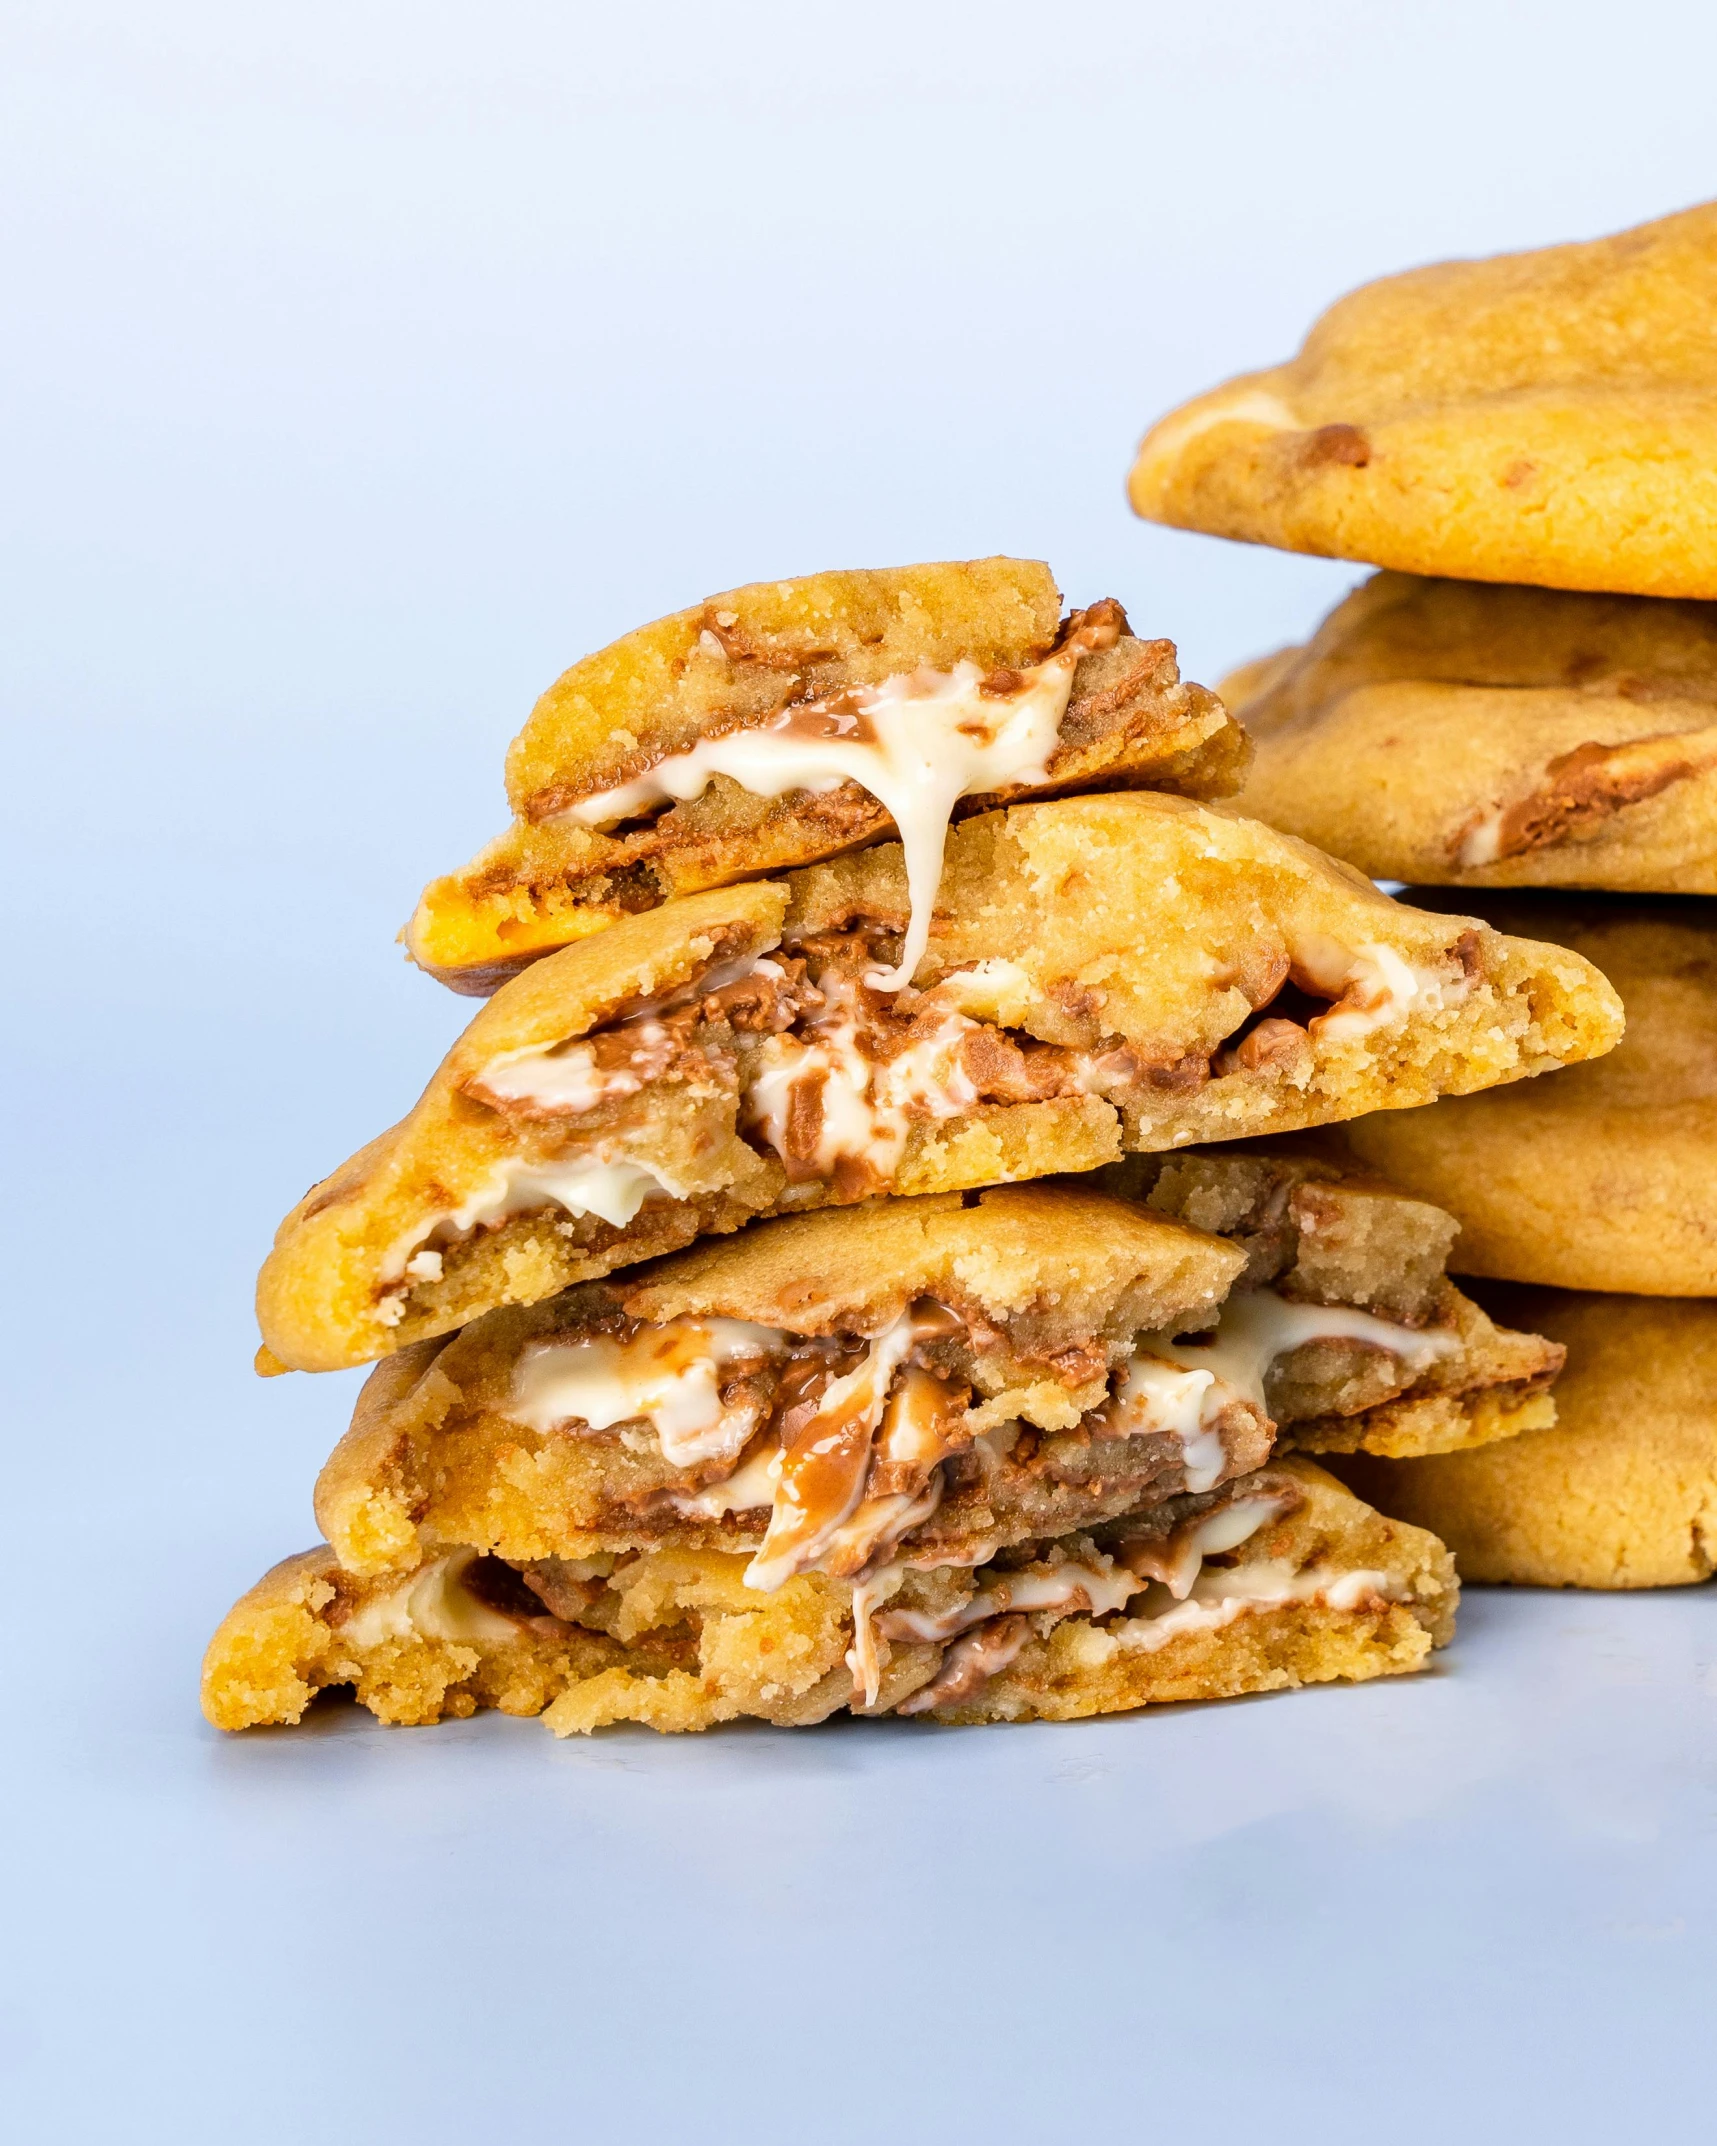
[
  {"x": 1103, "y": 975},
  {"x": 876, "y": 1458},
  {"x": 793, "y": 720}
]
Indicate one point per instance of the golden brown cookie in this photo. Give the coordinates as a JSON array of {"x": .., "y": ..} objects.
[
  {"x": 1105, "y": 974},
  {"x": 1622, "y": 1493},
  {"x": 793, "y": 720},
  {"x": 1461, "y": 734},
  {"x": 1279, "y": 1579},
  {"x": 1607, "y": 1174},
  {"x": 1546, "y": 417},
  {"x": 1031, "y": 1360}
]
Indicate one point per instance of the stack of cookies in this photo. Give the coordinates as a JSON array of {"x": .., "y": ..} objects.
[
  {"x": 869, "y": 1252},
  {"x": 1524, "y": 700}
]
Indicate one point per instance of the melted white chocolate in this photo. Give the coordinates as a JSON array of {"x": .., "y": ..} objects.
[
  {"x": 803, "y": 1521},
  {"x": 1373, "y": 985},
  {"x": 744, "y": 1491},
  {"x": 581, "y": 1184},
  {"x": 867, "y": 1108},
  {"x": 564, "y": 1078},
  {"x": 1218, "y": 1598},
  {"x": 667, "y": 1376},
  {"x": 1256, "y": 1326},
  {"x": 1154, "y": 1396},
  {"x": 919, "y": 742},
  {"x": 431, "y": 1603}
]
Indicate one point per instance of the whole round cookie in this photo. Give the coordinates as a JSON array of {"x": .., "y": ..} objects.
[
  {"x": 1547, "y": 417},
  {"x": 1468, "y": 734},
  {"x": 1602, "y": 1176},
  {"x": 1621, "y": 1493}
]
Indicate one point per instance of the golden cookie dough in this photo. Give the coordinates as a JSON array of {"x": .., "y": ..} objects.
[
  {"x": 1605, "y": 1176},
  {"x": 1548, "y": 417},
  {"x": 1622, "y": 1493},
  {"x": 751, "y": 658},
  {"x": 1321, "y": 1588},
  {"x": 1130, "y": 972},
  {"x": 1053, "y": 1288},
  {"x": 1460, "y": 734}
]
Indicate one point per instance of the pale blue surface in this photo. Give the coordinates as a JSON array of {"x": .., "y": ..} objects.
[{"x": 367, "y": 364}]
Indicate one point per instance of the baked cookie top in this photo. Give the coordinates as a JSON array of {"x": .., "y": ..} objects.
[
  {"x": 1103, "y": 974},
  {"x": 791, "y": 720},
  {"x": 1472, "y": 734},
  {"x": 1604, "y": 1177},
  {"x": 1546, "y": 417}
]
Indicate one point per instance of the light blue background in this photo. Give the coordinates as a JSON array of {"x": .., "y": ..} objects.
[{"x": 365, "y": 365}]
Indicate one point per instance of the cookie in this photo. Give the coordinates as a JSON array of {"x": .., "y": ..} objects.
[
  {"x": 1546, "y": 417},
  {"x": 1105, "y": 974},
  {"x": 1036, "y": 1360},
  {"x": 1460, "y": 734},
  {"x": 1605, "y": 1176},
  {"x": 794, "y": 720},
  {"x": 1622, "y": 1493},
  {"x": 1282, "y": 1578}
]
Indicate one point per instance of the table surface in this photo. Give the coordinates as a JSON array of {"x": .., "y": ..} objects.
[
  {"x": 1480, "y": 1900},
  {"x": 369, "y": 365}
]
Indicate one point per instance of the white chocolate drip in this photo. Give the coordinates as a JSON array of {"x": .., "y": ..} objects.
[
  {"x": 923, "y": 740},
  {"x": 802, "y": 1530},
  {"x": 1218, "y": 1598},
  {"x": 564, "y": 1079},
  {"x": 1155, "y": 1396}
]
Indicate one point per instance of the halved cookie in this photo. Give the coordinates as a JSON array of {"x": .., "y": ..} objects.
[
  {"x": 793, "y": 720},
  {"x": 1606, "y": 1176},
  {"x": 1465, "y": 735},
  {"x": 1278, "y": 1579},
  {"x": 1107, "y": 973},
  {"x": 930, "y": 1380},
  {"x": 1548, "y": 417},
  {"x": 1622, "y": 1493}
]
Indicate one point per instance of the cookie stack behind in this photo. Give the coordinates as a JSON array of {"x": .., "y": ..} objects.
[
  {"x": 1525, "y": 698},
  {"x": 724, "y": 1364}
]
